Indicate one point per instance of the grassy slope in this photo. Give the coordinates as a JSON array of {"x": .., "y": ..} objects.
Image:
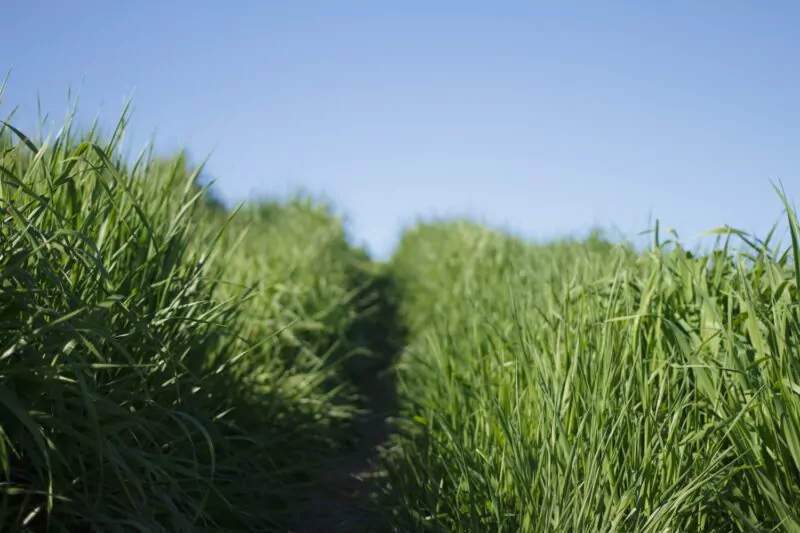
[
  {"x": 580, "y": 387},
  {"x": 156, "y": 375}
]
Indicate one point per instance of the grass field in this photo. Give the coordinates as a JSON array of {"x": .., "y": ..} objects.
[
  {"x": 166, "y": 366},
  {"x": 169, "y": 365},
  {"x": 586, "y": 387}
]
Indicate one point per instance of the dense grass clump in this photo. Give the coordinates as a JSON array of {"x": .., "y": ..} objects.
[
  {"x": 585, "y": 387},
  {"x": 160, "y": 371}
]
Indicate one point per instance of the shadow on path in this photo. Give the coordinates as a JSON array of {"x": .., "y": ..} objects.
[{"x": 344, "y": 499}]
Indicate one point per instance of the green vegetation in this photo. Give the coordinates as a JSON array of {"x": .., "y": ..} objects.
[
  {"x": 165, "y": 367},
  {"x": 168, "y": 365},
  {"x": 586, "y": 387}
]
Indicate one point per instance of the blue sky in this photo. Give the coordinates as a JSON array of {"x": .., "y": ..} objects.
[{"x": 546, "y": 118}]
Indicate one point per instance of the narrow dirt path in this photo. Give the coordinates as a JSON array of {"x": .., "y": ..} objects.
[{"x": 346, "y": 499}]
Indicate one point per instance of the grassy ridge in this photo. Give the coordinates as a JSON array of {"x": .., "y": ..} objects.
[
  {"x": 584, "y": 387},
  {"x": 158, "y": 371}
]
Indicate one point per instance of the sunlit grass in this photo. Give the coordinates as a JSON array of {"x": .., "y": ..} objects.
[
  {"x": 165, "y": 366},
  {"x": 586, "y": 387}
]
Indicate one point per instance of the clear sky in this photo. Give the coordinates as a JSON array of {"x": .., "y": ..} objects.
[{"x": 543, "y": 117}]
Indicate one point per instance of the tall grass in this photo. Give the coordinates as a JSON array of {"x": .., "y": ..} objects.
[
  {"x": 169, "y": 365},
  {"x": 585, "y": 387},
  {"x": 157, "y": 372}
]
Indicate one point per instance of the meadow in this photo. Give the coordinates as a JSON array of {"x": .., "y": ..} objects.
[
  {"x": 585, "y": 386},
  {"x": 168, "y": 364}
]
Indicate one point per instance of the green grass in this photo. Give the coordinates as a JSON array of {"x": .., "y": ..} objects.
[
  {"x": 169, "y": 365},
  {"x": 584, "y": 387},
  {"x": 165, "y": 366}
]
